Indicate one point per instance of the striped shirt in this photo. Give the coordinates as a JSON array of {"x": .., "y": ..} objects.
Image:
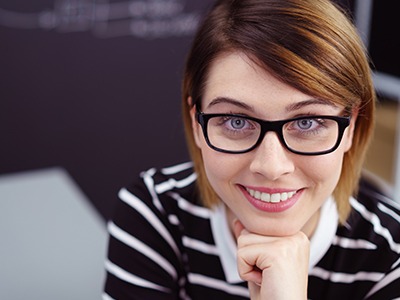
[{"x": 164, "y": 244}]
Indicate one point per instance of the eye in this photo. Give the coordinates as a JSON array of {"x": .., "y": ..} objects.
[
  {"x": 233, "y": 125},
  {"x": 237, "y": 123},
  {"x": 306, "y": 124}
]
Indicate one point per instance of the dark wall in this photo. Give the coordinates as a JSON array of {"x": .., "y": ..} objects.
[{"x": 99, "y": 97}]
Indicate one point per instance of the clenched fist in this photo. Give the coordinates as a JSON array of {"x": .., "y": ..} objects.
[{"x": 274, "y": 267}]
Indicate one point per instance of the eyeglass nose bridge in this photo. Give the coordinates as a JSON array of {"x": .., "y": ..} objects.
[{"x": 271, "y": 126}]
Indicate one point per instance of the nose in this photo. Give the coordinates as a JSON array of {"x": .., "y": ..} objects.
[{"x": 271, "y": 159}]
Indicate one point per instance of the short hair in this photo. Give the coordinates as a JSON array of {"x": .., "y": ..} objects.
[{"x": 311, "y": 45}]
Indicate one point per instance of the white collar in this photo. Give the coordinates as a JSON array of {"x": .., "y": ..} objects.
[{"x": 226, "y": 245}]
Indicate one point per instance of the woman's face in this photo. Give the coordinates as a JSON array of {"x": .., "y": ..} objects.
[{"x": 300, "y": 183}]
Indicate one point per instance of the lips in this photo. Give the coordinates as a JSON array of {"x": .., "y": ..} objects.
[{"x": 271, "y": 198}]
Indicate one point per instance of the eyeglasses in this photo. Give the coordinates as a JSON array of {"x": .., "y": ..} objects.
[{"x": 307, "y": 135}]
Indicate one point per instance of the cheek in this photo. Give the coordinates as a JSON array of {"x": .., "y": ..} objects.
[
  {"x": 217, "y": 165},
  {"x": 324, "y": 171},
  {"x": 222, "y": 169},
  {"x": 327, "y": 168}
]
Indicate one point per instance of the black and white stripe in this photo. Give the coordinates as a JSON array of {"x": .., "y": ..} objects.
[
  {"x": 162, "y": 247},
  {"x": 364, "y": 254}
]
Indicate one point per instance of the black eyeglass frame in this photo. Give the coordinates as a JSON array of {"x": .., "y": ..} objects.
[{"x": 275, "y": 126}]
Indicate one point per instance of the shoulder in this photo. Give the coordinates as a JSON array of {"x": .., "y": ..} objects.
[
  {"x": 157, "y": 182},
  {"x": 160, "y": 189},
  {"x": 150, "y": 206},
  {"x": 145, "y": 239},
  {"x": 374, "y": 226},
  {"x": 363, "y": 260},
  {"x": 375, "y": 211},
  {"x": 375, "y": 223}
]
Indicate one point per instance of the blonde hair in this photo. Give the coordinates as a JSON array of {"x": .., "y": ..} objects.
[{"x": 310, "y": 45}]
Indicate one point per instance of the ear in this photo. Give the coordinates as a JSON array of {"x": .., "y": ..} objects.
[
  {"x": 350, "y": 130},
  {"x": 196, "y": 129}
]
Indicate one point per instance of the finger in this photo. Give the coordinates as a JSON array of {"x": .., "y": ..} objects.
[
  {"x": 247, "y": 238},
  {"x": 250, "y": 263},
  {"x": 255, "y": 257}
]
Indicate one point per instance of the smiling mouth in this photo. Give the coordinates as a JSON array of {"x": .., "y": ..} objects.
[{"x": 271, "y": 198}]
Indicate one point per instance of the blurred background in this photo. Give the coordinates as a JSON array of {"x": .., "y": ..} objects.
[{"x": 90, "y": 96}]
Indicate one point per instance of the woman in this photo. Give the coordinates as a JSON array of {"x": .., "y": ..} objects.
[{"x": 278, "y": 106}]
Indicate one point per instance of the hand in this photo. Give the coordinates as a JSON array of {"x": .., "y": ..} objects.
[{"x": 274, "y": 267}]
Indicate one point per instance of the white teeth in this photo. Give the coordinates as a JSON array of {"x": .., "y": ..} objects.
[
  {"x": 265, "y": 197},
  {"x": 271, "y": 198},
  {"x": 275, "y": 198}
]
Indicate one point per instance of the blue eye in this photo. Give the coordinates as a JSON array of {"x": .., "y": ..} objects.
[
  {"x": 237, "y": 123},
  {"x": 305, "y": 124},
  {"x": 309, "y": 127}
]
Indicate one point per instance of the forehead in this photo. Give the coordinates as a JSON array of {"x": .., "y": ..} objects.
[
  {"x": 235, "y": 76},
  {"x": 236, "y": 73}
]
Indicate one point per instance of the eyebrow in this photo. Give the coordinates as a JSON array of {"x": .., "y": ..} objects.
[
  {"x": 234, "y": 102},
  {"x": 289, "y": 108},
  {"x": 299, "y": 105}
]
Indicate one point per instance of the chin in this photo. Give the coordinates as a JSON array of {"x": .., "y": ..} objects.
[{"x": 276, "y": 229}]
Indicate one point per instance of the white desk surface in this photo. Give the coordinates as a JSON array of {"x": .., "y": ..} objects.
[{"x": 52, "y": 242}]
